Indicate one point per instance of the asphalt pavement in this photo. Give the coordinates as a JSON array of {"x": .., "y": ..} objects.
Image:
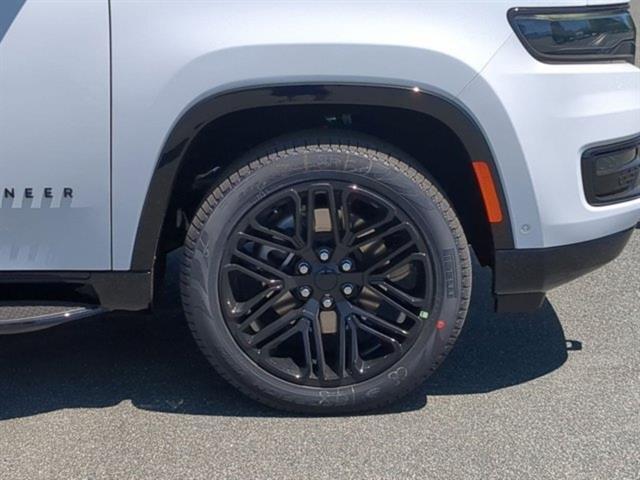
[{"x": 554, "y": 394}]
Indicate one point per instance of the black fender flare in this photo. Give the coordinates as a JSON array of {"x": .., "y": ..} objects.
[{"x": 214, "y": 107}]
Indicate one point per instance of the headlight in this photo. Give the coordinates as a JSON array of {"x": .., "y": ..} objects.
[{"x": 569, "y": 35}]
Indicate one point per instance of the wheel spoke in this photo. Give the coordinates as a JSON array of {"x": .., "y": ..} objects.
[
  {"x": 256, "y": 262},
  {"x": 286, "y": 262},
  {"x": 386, "y": 220},
  {"x": 275, "y": 326},
  {"x": 382, "y": 336},
  {"x": 242, "y": 308},
  {"x": 381, "y": 322},
  {"x": 410, "y": 299},
  {"x": 376, "y": 237},
  {"x": 346, "y": 216},
  {"x": 389, "y": 257},
  {"x": 311, "y": 218},
  {"x": 234, "y": 267},
  {"x": 355, "y": 359},
  {"x": 333, "y": 213},
  {"x": 267, "y": 243},
  {"x": 238, "y": 309},
  {"x": 351, "y": 234},
  {"x": 280, "y": 339},
  {"x": 381, "y": 279},
  {"x": 297, "y": 218},
  {"x": 396, "y": 305},
  {"x": 261, "y": 311},
  {"x": 414, "y": 257},
  {"x": 306, "y": 345},
  {"x": 343, "y": 314},
  {"x": 314, "y": 316},
  {"x": 270, "y": 231}
]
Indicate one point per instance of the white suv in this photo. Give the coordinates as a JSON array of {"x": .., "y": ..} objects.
[{"x": 327, "y": 165}]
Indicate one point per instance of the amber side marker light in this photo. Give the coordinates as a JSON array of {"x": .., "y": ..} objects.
[{"x": 489, "y": 192}]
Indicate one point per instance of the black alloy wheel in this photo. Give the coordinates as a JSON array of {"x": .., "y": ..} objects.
[{"x": 326, "y": 283}]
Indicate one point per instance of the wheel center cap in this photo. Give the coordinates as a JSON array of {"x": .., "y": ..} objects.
[{"x": 326, "y": 279}]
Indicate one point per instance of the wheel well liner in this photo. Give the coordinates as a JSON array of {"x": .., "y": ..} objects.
[{"x": 214, "y": 107}]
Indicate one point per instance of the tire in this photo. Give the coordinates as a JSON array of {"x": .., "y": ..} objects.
[{"x": 250, "y": 252}]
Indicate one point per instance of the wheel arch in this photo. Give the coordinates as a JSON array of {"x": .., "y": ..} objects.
[{"x": 213, "y": 108}]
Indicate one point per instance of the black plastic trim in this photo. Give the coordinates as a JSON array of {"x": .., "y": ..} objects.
[
  {"x": 132, "y": 291},
  {"x": 212, "y": 108},
  {"x": 589, "y": 174},
  {"x": 566, "y": 59},
  {"x": 519, "y": 302},
  {"x": 523, "y": 276}
]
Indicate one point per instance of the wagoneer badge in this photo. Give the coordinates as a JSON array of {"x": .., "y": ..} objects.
[{"x": 30, "y": 192}]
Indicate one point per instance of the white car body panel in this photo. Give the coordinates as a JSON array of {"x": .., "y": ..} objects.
[{"x": 54, "y": 132}]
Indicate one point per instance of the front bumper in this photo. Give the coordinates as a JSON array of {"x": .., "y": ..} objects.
[
  {"x": 540, "y": 120},
  {"x": 523, "y": 276}
]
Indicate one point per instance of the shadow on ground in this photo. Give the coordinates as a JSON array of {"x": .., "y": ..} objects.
[{"x": 152, "y": 361}]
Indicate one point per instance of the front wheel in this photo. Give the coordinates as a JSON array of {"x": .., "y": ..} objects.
[{"x": 326, "y": 275}]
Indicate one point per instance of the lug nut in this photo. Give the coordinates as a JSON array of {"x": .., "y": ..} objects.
[
  {"x": 327, "y": 302},
  {"x": 324, "y": 254},
  {"x": 346, "y": 265},
  {"x": 305, "y": 291},
  {"x": 304, "y": 268},
  {"x": 348, "y": 289}
]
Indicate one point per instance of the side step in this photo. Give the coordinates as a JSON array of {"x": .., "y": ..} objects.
[{"x": 23, "y": 317}]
